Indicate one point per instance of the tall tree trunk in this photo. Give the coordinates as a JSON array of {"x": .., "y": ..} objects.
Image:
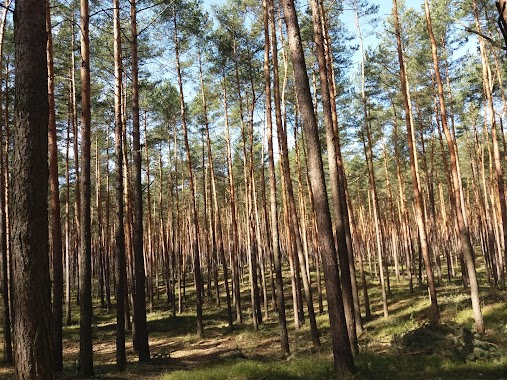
[
  {"x": 128, "y": 218},
  {"x": 340, "y": 233},
  {"x": 294, "y": 224},
  {"x": 207, "y": 240},
  {"x": 8, "y": 196},
  {"x": 379, "y": 233},
  {"x": 56, "y": 225},
  {"x": 280, "y": 301},
  {"x": 368, "y": 152},
  {"x": 348, "y": 276},
  {"x": 191, "y": 184},
  {"x": 119, "y": 247},
  {"x": 99, "y": 246},
  {"x": 75, "y": 132},
  {"x": 85, "y": 251},
  {"x": 234, "y": 249},
  {"x": 218, "y": 217},
  {"x": 463, "y": 232},
  {"x": 33, "y": 340},
  {"x": 394, "y": 228},
  {"x": 487, "y": 84},
  {"x": 290, "y": 248},
  {"x": 343, "y": 359},
  {"x": 68, "y": 259},
  {"x": 107, "y": 232},
  {"x": 175, "y": 217},
  {"x": 254, "y": 214},
  {"x": 435, "y": 314},
  {"x": 141, "y": 326},
  {"x": 251, "y": 246},
  {"x": 149, "y": 259},
  {"x": 6, "y": 312}
]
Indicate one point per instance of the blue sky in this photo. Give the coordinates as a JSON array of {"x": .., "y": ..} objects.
[
  {"x": 385, "y": 5},
  {"x": 385, "y": 9}
]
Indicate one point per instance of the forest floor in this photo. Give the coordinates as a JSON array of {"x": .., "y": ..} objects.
[{"x": 401, "y": 346}]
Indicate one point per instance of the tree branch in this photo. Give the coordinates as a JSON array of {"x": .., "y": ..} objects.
[
  {"x": 468, "y": 29},
  {"x": 487, "y": 38},
  {"x": 501, "y": 21}
]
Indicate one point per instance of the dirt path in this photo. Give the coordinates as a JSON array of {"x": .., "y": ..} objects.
[{"x": 170, "y": 349}]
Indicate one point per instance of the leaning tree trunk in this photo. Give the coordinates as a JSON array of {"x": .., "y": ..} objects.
[
  {"x": 343, "y": 359},
  {"x": 294, "y": 224},
  {"x": 435, "y": 315},
  {"x": 346, "y": 257},
  {"x": 340, "y": 232},
  {"x": 347, "y": 275},
  {"x": 33, "y": 338}
]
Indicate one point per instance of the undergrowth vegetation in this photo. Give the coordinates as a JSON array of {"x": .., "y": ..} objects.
[{"x": 401, "y": 346}]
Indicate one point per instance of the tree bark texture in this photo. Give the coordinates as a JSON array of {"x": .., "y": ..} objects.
[
  {"x": 33, "y": 340},
  {"x": 141, "y": 327},
  {"x": 343, "y": 360}
]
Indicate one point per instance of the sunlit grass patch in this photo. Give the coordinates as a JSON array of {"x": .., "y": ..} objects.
[
  {"x": 399, "y": 321},
  {"x": 307, "y": 368},
  {"x": 408, "y": 366}
]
